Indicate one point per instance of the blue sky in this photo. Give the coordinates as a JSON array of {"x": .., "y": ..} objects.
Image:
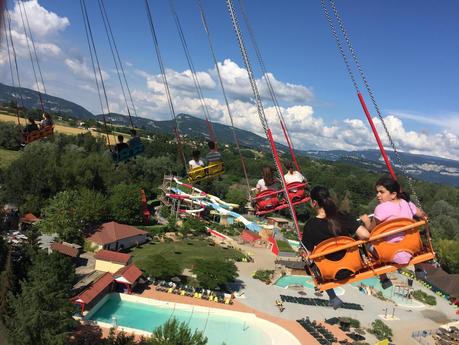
[{"x": 408, "y": 49}]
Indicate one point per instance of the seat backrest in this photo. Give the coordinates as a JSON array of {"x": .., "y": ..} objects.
[
  {"x": 42, "y": 133},
  {"x": 215, "y": 167},
  {"x": 386, "y": 247},
  {"x": 349, "y": 260},
  {"x": 296, "y": 191},
  {"x": 267, "y": 199}
]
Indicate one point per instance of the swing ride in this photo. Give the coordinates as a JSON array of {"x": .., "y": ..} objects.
[
  {"x": 351, "y": 264},
  {"x": 356, "y": 261}
]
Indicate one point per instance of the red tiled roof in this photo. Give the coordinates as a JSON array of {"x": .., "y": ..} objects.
[
  {"x": 131, "y": 273},
  {"x": 65, "y": 249},
  {"x": 113, "y": 231},
  {"x": 250, "y": 236},
  {"x": 95, "y": 289},
  {"x": 29, "y": 218},
  {"x": 108, "y": 255}
]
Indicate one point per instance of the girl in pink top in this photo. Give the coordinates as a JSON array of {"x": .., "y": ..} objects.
[{"x": 392, "y": 204}]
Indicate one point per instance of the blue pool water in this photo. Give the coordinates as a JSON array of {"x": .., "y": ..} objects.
[
  {"x": 306, "y": 281},
  {"x": 294, "y": 244},
  {"x": 285, "y": 281},
  {"x": 217, "y": 328}
]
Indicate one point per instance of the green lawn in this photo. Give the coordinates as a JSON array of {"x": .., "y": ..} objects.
[
  {"x": 8, "y": 156},
  {"x": 183, "y": 252},
  {"x": 284, "y": 246}
]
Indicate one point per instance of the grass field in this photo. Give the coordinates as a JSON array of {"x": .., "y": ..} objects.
[
  {"x": 184, "y": 252},
  {"x": 58, "y": 128},
  {"x": 7, "y": 156}
]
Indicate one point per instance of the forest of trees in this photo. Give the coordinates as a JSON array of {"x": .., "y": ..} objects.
[
  {"x": 73, "y": 185},
  {"x": 73, "y": 178}
]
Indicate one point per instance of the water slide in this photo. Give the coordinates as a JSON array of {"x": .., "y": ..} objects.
[{"x": 203, "y": 199}]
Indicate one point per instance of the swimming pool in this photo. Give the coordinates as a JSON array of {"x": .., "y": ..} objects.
[
  {"x": 234, "y": 328},
  {"x": 294, "y": 244},
  {"x": 306, "y": 281}
]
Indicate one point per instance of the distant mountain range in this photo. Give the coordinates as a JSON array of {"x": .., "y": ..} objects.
[
  {"x": 31, "y": 100},
  {"x": 424, "y": 167}
]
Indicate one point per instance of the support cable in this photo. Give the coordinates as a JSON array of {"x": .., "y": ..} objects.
[
  {"x": 119, "y": 59},
  {"x": 197, "y": 85},
  {"x": 220, "y": 79},
  {"x": 40, "y": 96},
  {"x": 272, "y": 93},
  {"x": 372, "y": 97},
  {"x": 116, "y": 58},
  {"x": 261, "y": 113},
  {"x": 94, "y": 57},
  {"x": 9, "y": 40},
  {"x": 166, "y": 84}
]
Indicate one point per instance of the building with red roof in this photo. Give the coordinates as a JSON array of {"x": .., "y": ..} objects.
[
  {"x": 116, "y": 236},
  {"x": 128, "y": 276},
  {"x": 95, "y": 292},
  {"x": 29, "y": 218},
  {"x": 110, "y": 261},
  {"x": 66, "y": 248}
]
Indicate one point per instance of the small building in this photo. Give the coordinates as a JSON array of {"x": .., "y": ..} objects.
[
  {"x": 109, "y": 261},
  {"x": 116, "y": 236},
  {"x": 94, "y": 293},
  {"x": 278, "y": 222},
  {"x": 128, "y": 277},
  {"x": 72, "y": 250}
]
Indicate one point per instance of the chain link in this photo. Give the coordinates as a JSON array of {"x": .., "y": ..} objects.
[
  {"x": 369, "y": 90},
  {"x": 260, "y": 109}
]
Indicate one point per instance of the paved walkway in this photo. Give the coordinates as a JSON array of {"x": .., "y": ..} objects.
[{"x": 408, "y": 319}]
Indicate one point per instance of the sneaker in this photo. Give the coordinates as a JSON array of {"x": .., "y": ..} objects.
[
  {"x": 336, "y": 303},
  {"x": 420, "y": 273},
  {"x": 386, "y": 283}
]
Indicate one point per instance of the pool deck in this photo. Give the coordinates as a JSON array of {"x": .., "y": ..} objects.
[{"x": 292, "y": 326}]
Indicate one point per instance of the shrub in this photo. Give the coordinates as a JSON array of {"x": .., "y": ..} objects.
[
  {"x": 263, "y": 275},
  {"x": 380, "y": 330},
  {"x": 424, "y": 298}
]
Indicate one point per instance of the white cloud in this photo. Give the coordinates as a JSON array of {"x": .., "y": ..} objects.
[
  {"x": 42, "y": 22},
  {"x": 82, "y": 70},
  {"x": 307, "y": 130},
  {"x": 237, "y": 84},
  {"x": 448, "y": 121}
]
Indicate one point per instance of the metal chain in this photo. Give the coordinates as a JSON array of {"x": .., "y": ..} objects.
[
  {"x": 197, "y": 85},
  {"x": 261, "y": 113},
  {"x": 272, "y": 93},
  {"x": 373, "y": 99},
  {"x": 230, "y": 114},
  {"x": 40, "y": 96},
  {"x": 340, "y": 46},
  {"x": 110, "y": 38},
  {"x": 165, "y": 83},
  {"x": 119, "y": 59}
]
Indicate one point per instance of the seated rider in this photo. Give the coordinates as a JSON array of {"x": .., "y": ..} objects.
[
  {"x": 121, "y": 144},
  {"x": 30, "y": 127},
  {"x": 268, "y": 181},
  {"x": 196, "y": 162},
  {"x": 329, "y": 223},
  {"x": 393, "y": 203},
  {"x": 292, "y": 175},
  {"x": 46, "y": 121},
  {"x": 213, "y": 155}
]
